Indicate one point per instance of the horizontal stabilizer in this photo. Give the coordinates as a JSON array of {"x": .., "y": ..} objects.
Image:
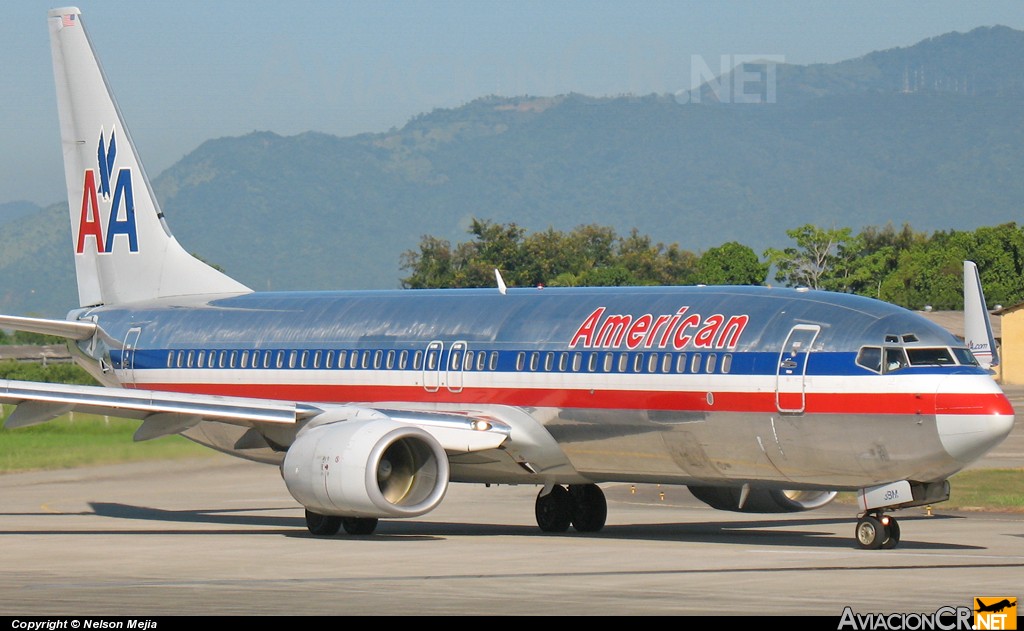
[{"x": 69, "y": 329}]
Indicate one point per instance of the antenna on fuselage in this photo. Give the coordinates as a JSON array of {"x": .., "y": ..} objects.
[{"x": 501, "y": 281}]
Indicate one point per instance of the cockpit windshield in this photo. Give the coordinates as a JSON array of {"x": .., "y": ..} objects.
[{"x": 899, "y": 357}]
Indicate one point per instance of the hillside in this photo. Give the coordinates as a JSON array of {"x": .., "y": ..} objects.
[{"x": 928, "y": 135}]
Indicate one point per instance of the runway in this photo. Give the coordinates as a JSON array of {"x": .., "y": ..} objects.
[{"x": 219, "y": 536}]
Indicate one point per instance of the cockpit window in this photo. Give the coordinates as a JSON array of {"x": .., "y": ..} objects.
[
  {"x": 870, "y": 357},
  {"x": 965, "y": 357},
  {"x": 894, "y": 359},
  {"x": 930, "y": 357}
]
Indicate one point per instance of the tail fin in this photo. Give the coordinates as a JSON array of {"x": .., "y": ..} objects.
[
  {"x": 977, "y": 326},
  {"x": 124, "y": 251}
]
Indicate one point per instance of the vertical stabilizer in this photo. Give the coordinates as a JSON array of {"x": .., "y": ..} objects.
[
  {"x": 124, "y": 251},
  {"x": 977, "y": 325}
]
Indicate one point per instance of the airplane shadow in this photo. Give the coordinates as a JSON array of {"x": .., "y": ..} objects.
[{"x": 808, "y": 532}]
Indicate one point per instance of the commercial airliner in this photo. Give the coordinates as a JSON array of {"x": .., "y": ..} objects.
[{"x": 371, "y": 403}]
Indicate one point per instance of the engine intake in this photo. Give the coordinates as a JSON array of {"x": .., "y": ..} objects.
[
  {"x": 761, "y": 500},
  {"x": 366, "y": 468}
]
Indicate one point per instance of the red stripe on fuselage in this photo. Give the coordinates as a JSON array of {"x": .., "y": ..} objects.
[{"x": 816, "y": 403}]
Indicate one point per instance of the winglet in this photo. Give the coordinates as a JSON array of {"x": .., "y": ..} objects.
[
  {"x": 501, "y": 282},
  {"x": 977, "y": 325}
]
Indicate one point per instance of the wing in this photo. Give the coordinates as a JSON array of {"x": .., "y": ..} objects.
[{"x": 165, "y": 413}]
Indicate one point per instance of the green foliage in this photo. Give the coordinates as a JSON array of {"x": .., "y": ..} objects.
[
  {"x": 731, "y": 264},
  {"x": 588, "y": 256},
  {"x": 63, "y": 372}
]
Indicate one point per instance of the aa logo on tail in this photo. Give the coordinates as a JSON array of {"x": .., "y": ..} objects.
[{"x": 118, "y": 205}]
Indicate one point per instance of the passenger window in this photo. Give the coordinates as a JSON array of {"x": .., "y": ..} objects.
[
  {"x": 245, "y": 359},
  {"x": 353, "y": 359},
  {"x": 607, "y": 362},
  {"x": 456, "y": 361},
  {"x": 549, "y": 362},
  {"x": 481, "y": 360},
  {"x": 365, "y": 363},
  {"x": 563, "y": 361},
  {"x": 638, "y": 362},
  {"x": 233, "y": 360},
  {"x": 726, "y": 363},
  {"x": 292, "y": 356},
  {"x": 493, "y": 365},
  {"x": 623, "y": 362},
  {"x": 377, "y": 357},
  {"x": 666, "y": 363},
  {"x": 189, "y": 359},
  {"x": 712, "y": 361},
  {"x": 170, "y": 359},
  {"x": 520, "y": 361},
  {"x": 534, "y": 360},
  {"x": 181, "y": 359},
  {"x": 468, "y": 364},
  {"x": 681, "y": 363},
  {"x": 200, "y": 358},
  {"x": 316, "y": 359},
  {"x": 266, "y": 359},
  {"x": 652, "y": 363},
  {"x": 304, "y": 359},
  {"x": 329, "y": 359},
  {"x": 389, "y": 363},
  {"x": 592, "y": 362},
  {"x": 403, "y": 360},
  {"x": 695, "y": 363},
  {"x": 417, "y": 360}
]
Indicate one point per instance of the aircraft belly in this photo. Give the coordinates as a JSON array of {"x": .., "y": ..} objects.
[{"x": 839, "y": 451}]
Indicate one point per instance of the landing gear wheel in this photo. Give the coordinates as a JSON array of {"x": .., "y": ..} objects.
[
  {"x": 554, "y": 510},
  {"x": 870, "y": 533},
  {"x": 322, "y": 525},
  {"x": 359, "y": 525},
  {"x": 892, "y": 531},
  {"x": 589, "y": 509}
]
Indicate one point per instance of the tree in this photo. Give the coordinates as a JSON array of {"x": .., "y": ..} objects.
[
  {"x": 816, "y": 261},
  {"x": 731, "y": 264}
]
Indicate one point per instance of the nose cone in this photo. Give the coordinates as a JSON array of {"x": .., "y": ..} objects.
[{"x": 972, "y": 415}]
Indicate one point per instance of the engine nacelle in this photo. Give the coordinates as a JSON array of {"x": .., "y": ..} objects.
[
  {"x": 366, "y": 468},
  {"x": 761, "y": 500}
]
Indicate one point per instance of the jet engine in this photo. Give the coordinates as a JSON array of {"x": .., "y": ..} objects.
[
  {"x": 761, "y": 500},
  {"x": 366, "y": 468}
]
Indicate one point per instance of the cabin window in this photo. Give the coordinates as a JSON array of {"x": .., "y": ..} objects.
[
  {"x": 329, "y": 359},
  {"x": 181, "y": 359},
  {"x": 468, "y": 362},
  {"x": 577, "y": 361},
  {"x": 245, "y": 359},
  {"x": 549, "y": 362},
  {"x": 341, "y": 359},
  {"x": 189, "y": 359},
  {"x": 726, "y": 363},
  {"x": 534, "y": 360},
  {"x": 681, "y": 363},
  {"x": 493, "y": 361},
  {"x": 304, "y": 359},
  {"x": 695, "y": 363},
  {"x": 222, "y": 359},
  {"x": 279, "y": 360},
  {"x": 417, "y": 360},
  {"x": 200, "y": 358},
  {"x": 652, "y": 363},
  {"x": 520, "y": 361},
  {"x": 607, "y": 367},
  {"x": 389, "y": 361},
  {"x": 563, "y": 361},
  {"x": 353, "y": 359},
  {"x": 170, "y": 359},
  {"x": 623, "y": 361},
  {"x": 378, "y": 357},
  {"x": 316, "y": 359},
  {"x": 292, "y": 357},
  {"x": 233, "y": 359},
  {"x": 455, "y": 362},
  {"x": 638, "y": 362},
  {"x": 432, "y": 361},
  {"x": 266, "y": 358},
  {"x": 403, "y": 359},
  {"x": 712, "y": 361},
  {"x": 481, "y": 360},
  {"x": 592, "y": 362},
  {"x": 366, "y": 360}
]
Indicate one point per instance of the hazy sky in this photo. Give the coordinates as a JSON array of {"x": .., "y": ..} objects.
[{"x": 187, "y": 71}]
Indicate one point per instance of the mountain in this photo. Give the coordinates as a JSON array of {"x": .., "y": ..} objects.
[{"x": 928, "y": 135}]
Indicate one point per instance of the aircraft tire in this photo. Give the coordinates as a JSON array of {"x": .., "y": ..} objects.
[
  {"x": 589, "y": 507},
  {"x": 554, "y": 510},
  {"x": 870, "y": 533},
  {"x": 322, "y": 525},
  {"x": 359, "y": 525},
  {"x": 892, "y": 532}
]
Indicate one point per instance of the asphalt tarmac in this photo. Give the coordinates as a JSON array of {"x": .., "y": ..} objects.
[{"x": 220, "y": 536}]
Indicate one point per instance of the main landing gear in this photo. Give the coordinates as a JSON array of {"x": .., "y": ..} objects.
[
  {"x": 877, "y": 530},
  {"x": 581, "y": 505}
]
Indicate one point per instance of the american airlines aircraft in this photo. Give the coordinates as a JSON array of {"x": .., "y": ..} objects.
[{"x": 372, "y": 402}]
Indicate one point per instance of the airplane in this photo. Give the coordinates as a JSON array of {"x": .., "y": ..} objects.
[
  {"x": 371, "y": 403},
  {"x": 977, "y": 324},
  {"x": 995, "y": 607}
]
